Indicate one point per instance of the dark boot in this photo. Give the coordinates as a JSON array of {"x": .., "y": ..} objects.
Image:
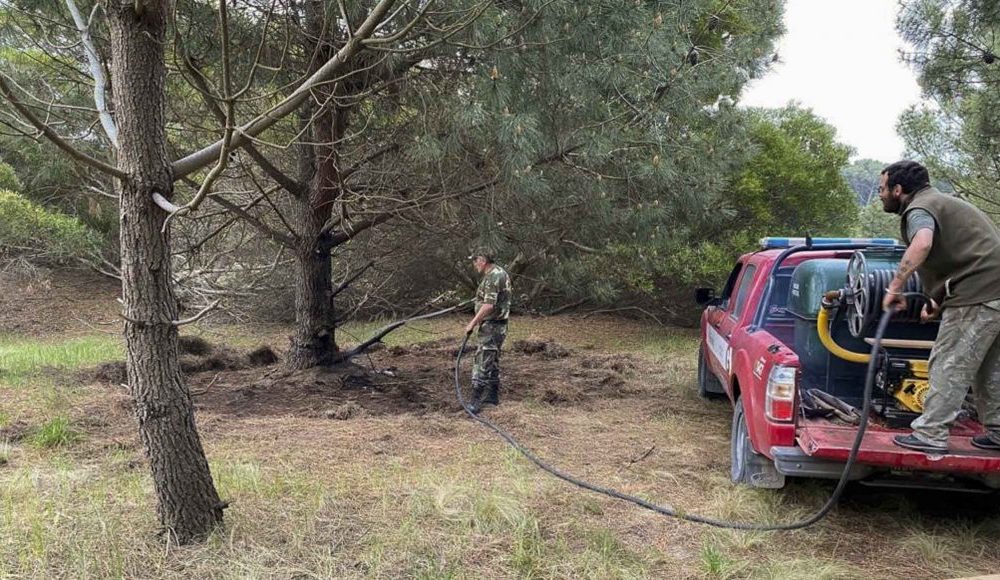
[
  {"x": 493, "y": 396},
  {"x": 476, "y": 403},
  {"x": 912, "y": 442},
  {"x": 985, "y": 442}
]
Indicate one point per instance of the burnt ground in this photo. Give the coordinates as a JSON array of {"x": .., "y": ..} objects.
[{"x": 415, "y": 379}]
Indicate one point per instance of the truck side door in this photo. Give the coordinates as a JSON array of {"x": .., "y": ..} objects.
[{"x": 724, "y": 318}]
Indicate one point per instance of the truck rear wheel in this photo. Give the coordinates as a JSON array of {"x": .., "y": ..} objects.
[
  {"x": 747, "y": 466},
  {"x": 709, "y": 387}
]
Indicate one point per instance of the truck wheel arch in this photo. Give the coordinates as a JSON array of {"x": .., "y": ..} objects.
[{"x": 749, "y": 399}]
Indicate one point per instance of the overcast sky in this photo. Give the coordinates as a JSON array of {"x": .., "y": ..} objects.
[{"x": 841, "y": 59}]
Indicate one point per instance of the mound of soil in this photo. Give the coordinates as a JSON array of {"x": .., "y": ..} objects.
[
  {"x": 262, "y": 356},
  {"x": 194, "y": 345},
  {"x": 111, "y": 373},
  {"x": 197, "y": 355},
  {"x": 546, "y": 349}
]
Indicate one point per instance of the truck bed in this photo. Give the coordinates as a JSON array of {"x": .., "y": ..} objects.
[{"x": 825, "y": 439}]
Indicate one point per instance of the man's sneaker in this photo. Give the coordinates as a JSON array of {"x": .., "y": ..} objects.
[
  {"x": 911, "y": 442},
  {"x": 985, "y": 442}
]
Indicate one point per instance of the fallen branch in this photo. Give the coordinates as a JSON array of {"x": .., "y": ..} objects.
[
  {"x": 204, "y": 312},
  {"x": 643, "y": 456},
  {"x": 582, "y": 247},
  {"x": 393, "y": 326},
  {"x": 208, "y": 386},
  {"x": 566, "y": 307}
]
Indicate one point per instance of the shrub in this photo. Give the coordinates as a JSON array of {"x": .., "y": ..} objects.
[
  {"x": 8, "y": 179},
  {"x": 32, "y": 232}
]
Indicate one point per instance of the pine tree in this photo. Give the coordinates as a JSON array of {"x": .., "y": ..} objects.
[{"x": 955, "y": 53}]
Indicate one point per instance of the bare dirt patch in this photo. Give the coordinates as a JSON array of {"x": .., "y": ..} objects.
[{"x": 413, "y": 379}]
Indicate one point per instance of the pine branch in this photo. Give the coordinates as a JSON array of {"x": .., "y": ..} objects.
[
  {"x": 285, "y": 240},
  {"x": 54, "y": 137},
  {"x": 289, "y": 104},
  {"x": 201, "y": 83}
]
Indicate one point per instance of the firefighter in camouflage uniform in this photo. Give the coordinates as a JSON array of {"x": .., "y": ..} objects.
[{"x": 492, "y": 312}]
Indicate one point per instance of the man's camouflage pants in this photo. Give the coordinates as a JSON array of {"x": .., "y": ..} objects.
[
  {"x": 486, "y": 365},
  {"x": 966, "y": 353}
]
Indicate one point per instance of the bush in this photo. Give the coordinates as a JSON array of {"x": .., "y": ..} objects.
[
  {"x": 8, "y": 179},
  {"x": 32, "y": 232}
]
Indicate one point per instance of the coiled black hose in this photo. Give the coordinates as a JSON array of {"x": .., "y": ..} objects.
[
  {"x": 869, "y": 293},
  {"x": 671, "y": 512}
]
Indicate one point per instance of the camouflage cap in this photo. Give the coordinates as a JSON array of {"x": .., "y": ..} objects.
[{"x": 482, "y": 251}]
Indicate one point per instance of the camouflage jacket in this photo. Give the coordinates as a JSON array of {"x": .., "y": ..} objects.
[{"x": 495, "y": 289}]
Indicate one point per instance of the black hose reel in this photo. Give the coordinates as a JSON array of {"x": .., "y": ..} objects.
[{"x": 867, "y": 282}]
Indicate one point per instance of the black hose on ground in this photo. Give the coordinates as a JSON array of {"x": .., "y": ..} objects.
[{"x": 671, "y": 512}]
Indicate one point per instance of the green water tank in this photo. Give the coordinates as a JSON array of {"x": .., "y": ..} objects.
[
  {"x": 810, "y": 281},
  {"x": 813, "y": 278}
]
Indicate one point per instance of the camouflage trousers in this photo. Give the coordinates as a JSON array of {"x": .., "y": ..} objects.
[
  {"x": 966, "y": 353},
  {"x": 486, "y": 365}
]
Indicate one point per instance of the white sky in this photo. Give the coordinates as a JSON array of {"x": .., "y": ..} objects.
[{"x": 840, "y": 58}]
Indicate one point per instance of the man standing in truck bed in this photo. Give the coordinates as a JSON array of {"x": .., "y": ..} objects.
[
  {"x": 492, "y": 312},
  {"x": 956, "y": 250}
]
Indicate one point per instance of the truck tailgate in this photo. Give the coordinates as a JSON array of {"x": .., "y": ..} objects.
[{"x": 826, "y": 440}]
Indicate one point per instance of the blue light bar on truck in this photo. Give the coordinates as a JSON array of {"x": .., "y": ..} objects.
[{"x": 778, "y": 243}]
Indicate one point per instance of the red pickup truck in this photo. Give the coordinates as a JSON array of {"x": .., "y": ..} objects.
[{"x": 766, "y": 346}]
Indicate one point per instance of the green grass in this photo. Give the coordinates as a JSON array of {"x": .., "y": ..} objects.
[
  {"x": 4, "y": 452},
  {"x": 55, "y": 433},
  {"x": 21, "y": 359},
  {"x": 715, "y": 563}
]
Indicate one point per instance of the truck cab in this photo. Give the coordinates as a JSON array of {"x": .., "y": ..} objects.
[{"x": 790, "y": 366}]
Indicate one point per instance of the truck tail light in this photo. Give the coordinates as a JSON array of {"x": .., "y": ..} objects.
[{"x": 779, "y": 402}]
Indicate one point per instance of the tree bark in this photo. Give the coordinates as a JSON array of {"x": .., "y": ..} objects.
[
  {"x": 314, "y": 342},
  {"x": 187, "y": 502}
]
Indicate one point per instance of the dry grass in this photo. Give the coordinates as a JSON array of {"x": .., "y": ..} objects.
[{"x": 435, "y": 496}]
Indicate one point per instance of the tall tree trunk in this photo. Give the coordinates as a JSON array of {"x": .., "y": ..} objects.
[
  {"x": 188, "y": 504},
  {"x": 314, "y": 342}
]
